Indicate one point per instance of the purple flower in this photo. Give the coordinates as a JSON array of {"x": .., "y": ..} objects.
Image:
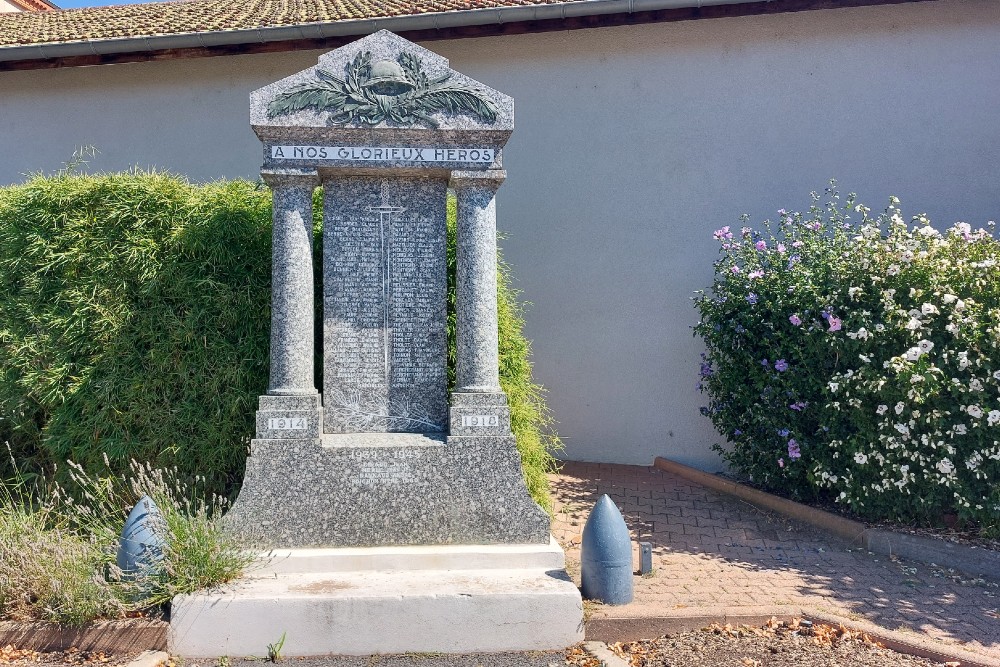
[
  {"x": 781, "y": 365},
  {"x": 783, "y": 433},
  {"x": 781, "y": 463},
  {"x": 737, "y": 432},
  {"x": 723, "y": 233},
  {"x": 795, "y": 319},
  {"x": 788, "y": 219},
  {"x": 782, "y": 211},
  {"x": 755, "y": 274},
  {"x": 746, "y": 231},
  {"x": 735, "y": 269},
  {"x": 797, "y": 244},
  {"x": 835, "y": 323},
  {"x": 760, "y": 245},
  {"x": 814, "y": 226},
  {"x": 781, "y": 248},
  {"x": 793, "y": 450},
  {"x": 798, "y": 405},
  {"x": 706, "y": 370},
  {"x": 752, "y": 298},
  {"x": 764, "y": 363}
]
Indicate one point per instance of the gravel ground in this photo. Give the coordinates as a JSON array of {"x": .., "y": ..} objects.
[
  {"x": 10, "y": 655},
  {"x": 776, "y": 644}
]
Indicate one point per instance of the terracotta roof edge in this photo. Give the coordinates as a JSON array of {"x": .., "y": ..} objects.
[{"x": 434, "y": 20}]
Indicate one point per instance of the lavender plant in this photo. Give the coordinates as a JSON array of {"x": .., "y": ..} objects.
[{"x": 858, "y": 360}]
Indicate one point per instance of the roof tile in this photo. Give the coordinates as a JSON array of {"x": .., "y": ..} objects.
[{"x": 192, "y": 16}]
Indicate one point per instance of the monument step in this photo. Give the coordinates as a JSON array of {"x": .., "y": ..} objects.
[
  {"x": 408, "y": 558},
  {"x": 366, "y": 612}
]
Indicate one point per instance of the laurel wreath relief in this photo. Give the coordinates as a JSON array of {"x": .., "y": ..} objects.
[{"x": 384, "y": 91}]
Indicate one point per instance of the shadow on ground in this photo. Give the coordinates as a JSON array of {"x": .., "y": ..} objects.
[{"x": 715, "y": 555}]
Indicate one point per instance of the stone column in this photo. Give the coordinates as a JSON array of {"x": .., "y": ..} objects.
[
  {"x": 477, "y": 358},
  {"x": 292, "y": 305}
]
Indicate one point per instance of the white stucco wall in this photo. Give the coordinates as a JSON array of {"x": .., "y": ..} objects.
[
  {"x": 631, "y": 145},
  {"x": 8, "y": 7}
]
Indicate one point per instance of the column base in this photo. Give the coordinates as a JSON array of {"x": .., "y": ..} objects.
[
  {"x": 479, "y": 413},
  {"x": 289, "y": 417}
]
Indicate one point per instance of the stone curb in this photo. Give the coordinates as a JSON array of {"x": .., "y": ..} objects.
[
  {"x": 149, "y": 659},
  {"x": 600, "y": 651},
  {"x": 115, "y": 637},
  {"x": 970, "y": 560},
  {"x": 634, "y": 628}
]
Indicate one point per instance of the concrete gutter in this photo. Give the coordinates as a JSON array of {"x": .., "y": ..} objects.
[
  {"x": 967, "y": 559},
  {"x": 412, "y": 22}
]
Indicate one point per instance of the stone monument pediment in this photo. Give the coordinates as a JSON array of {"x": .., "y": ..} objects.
[{"x": 386, "y": 87}]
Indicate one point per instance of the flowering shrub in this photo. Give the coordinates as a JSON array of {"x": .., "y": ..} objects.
[{"x": 859, "y": 360}]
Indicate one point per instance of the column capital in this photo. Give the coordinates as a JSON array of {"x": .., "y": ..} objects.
[
  {"x": 488, "y": 178},
  {"x": 299, "y": 177}
]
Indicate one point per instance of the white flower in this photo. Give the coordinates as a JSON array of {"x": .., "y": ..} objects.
[
  {"x": 993, "y": 418},
  {"x": 834, "y": 386},
  {"x": 974, "y": 411},
  {"x": 853, "y": 292},
  {"x": 913, "y": 354},
  {"x": 945, "y": 466},
  {"x": 860, "y": 458},
  {"x": 880, "y": 328},
  {"x": 903, "y": 428},
  {"x": 949, "y": 298},
  {"x": 996, "y": 375},
  {"x": 959, "y": 305},
  {"x": 913, "y": 324},
  {"x": 929, "y": 309},
  {"x": 907, "y": 256},
  {"x": 893, "y": 269},
  {"x": 960, "y": 429},
  {"x": 899, "y": 408},
  {"x": 914, "y": 379},
  {"x": 925, "y": 346},
  {"x": 963, "y": 360},
  {"x": 951, "y": 328},
  {"x": 882, "y": 409},
  {"x": 975, "y": 384}
]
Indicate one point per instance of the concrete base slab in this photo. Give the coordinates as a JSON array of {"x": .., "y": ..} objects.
[{"x": 388, "y": 600}]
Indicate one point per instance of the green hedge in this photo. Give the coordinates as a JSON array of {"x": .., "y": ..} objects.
[{"x": 135, "y": 319}]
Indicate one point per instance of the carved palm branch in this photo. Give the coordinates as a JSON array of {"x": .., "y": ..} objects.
[
  {"x": 318, "y": 95},
  {"x": 450, "y": 99}
]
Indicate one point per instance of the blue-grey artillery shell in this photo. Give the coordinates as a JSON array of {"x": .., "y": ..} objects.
[
  {"x": 143, "y": 537},
  {"x": 606, "y": 555}
]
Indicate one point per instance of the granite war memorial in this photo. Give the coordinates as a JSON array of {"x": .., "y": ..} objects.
[{"x": 394, "y": 511}]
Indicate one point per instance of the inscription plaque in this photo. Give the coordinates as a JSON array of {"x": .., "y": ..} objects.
[
  {"x": 480, "y": 420},
  {"x": 287, "y": 423},
  {"x": 384, "y": 305}
]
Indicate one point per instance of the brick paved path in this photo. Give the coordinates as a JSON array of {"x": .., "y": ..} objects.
[{"x": 716, "y": 555}]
